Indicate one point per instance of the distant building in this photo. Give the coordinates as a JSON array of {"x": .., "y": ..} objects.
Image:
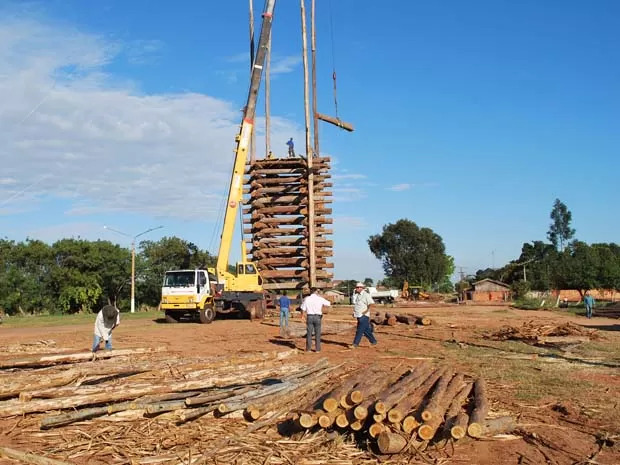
[
  {"x": 334, "y": 296},
  {"x": 489, "y": 290}
]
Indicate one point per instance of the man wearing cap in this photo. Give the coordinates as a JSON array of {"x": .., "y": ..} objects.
[
  {"x": 361, "y": 310},
  {"x": 312, "y": 308}
]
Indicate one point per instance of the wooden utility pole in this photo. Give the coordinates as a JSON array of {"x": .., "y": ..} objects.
[
  {"x": 253, "y": 139},
  {"x": 315, "y": 117},
  {"x": 309, "y": 157},
  {"x": 267, "y": 99}
]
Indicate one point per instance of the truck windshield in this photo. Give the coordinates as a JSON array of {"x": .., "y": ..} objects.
[{"x": 179, "y": 279}]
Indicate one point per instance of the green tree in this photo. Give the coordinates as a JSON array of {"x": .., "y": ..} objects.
[
  {"x": 368, "y": 282},
  {"x": 577, "y": 267},
  {"x": 411, "y": 253},
  {"x": 157, "y": 257},
  {"x": 347, "y": 286},
  {"x": 560, "y": 231}
]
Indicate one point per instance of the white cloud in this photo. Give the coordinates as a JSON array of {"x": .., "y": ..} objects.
[
  {"x": 400, "y": 187},
  {"x": 349, "y": 176},
  {"x": 98, "y": 141},
  {"x": 282, "y": 65}
]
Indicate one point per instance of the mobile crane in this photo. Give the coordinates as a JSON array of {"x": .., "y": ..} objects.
[{"x": 204, "y": 293}]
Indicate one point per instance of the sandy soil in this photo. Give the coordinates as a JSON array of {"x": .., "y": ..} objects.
[{"x": 565, "y": 423}]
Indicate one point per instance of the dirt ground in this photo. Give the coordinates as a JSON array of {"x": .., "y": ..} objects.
[{"x": 566, "y": 401}]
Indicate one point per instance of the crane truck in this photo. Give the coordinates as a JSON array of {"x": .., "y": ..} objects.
[{"x": 201, "y": 294}]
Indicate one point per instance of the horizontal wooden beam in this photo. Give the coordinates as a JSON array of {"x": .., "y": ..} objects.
[
  {"x": 301, "y": 274},
  {"x": 279, "y": 180},
  {"x": 335, "y": 121}
]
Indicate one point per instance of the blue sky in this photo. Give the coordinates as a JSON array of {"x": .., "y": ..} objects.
[{"x": 471, "y": 118}]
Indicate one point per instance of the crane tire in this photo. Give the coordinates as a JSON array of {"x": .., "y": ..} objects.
[{"x": 207, "y": 314}]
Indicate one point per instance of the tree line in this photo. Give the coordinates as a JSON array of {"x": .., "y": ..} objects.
[
  {"x": 77, "y": 275},
  {"x": 562, "y": 263}
]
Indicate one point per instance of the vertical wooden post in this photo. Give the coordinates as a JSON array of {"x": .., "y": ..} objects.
[
  {"x": 253, "y": 139},
  {"x": 309, "y": 157},
  {"x": 315, "y": 117},
  {"x": 267, "y": 99}
]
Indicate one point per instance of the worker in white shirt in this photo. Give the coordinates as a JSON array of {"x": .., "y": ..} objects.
[
  {"x": 312, "y": 308},
  {"x": 361, "y": 310}
]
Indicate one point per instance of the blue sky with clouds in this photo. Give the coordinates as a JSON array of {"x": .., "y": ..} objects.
[{"x": 471, "y": 118}]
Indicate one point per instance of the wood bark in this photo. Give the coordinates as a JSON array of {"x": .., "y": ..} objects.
[
  {"x": 335, "y": 121},
  {"x": 436, "y": 409},
  {"x": 132, "y": 393},
  {"x": 391, "y": 443},
  {"x": 336, "y": 397},
  {"x": 371, "y": 389},
  {"x": 47, "y": 360},
  {"x": 417, "y": 391},
  {"x": 500, "y": 425},
  {"x": 392, "y": 396},
  {"x": 481, "y": 408},
  {"x": 442, "y": 395},
  {"x": 413, "y": 319},
  {"x": 455, "y": 413}
]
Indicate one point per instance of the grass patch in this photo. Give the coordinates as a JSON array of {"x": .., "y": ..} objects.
[{"x": 77, "y": 319}]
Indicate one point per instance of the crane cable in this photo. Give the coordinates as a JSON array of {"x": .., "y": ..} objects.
[{"x": 331, "y": 29}]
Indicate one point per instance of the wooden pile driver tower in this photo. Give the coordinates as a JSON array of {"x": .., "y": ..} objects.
[{"x": 278, "y": 217}]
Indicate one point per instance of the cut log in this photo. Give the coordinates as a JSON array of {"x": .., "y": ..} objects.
[
  {"x": 481, "y": 408},
  {"x": 134, "y": 392},
  {"x": 326, "y": 419},
  {"x": 458, "y": 429},
  {"x": 376, "y": 429},
  {"x": 192, "y": 414},
  {"x": 335, "y": 121},
  {"x": 370, "y": 389},
  {"x": 437, "y": 407},
  {"x": 309, "y": 419},
  {"x": 47, "y": 360},
  {"x": 28, "y": 457},
  {"x": 338, "y": 395},
  {"x": 342, "y": 420},
  {"x": 454, "y": 416},
  {"x": 399, "y": 390},
  {"x": 418, "y": 390},
  {"x": 391, "y": 443},
  {"x": 413, "y": 319},
  {"x": 500, "y": 425},
  {"x": 213, "y": 397},
  {"x": 71, "y": 417},
  {"x": 434, "y": 406},
  {"x": 378, "y": 318}
]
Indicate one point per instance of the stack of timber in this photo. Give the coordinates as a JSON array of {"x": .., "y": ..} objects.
[
  {"x": 277, "y": 219},
  {"x": 154, "y": 406},
  {"x": 423, "y": 406},
  {"x": 390, "y": 319}
]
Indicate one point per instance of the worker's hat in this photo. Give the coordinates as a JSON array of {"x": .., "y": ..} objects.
[{"x": 360, "y": 285}]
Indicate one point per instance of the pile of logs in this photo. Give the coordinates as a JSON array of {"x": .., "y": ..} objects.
[
  {"x": 187, "y": 390},
  {"x": 277, "y": 217},
  {"x": 422, "y": 406},
  {"x": 390, "y": 319},
  {"x": 565, "y": 334}
]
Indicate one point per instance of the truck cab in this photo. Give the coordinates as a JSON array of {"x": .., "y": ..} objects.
[{"x": 188, "y": 293}]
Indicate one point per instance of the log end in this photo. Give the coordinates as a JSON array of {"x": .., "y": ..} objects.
[
  {"x": 356, "y": 397},
  {"x": 325, "y": 421},
  {"x": 426, "y": 432},
  {"x": 344, "y": 402},
  {"x": 342, "y": 421},
  {"x": 395, "y": 416},
  {"x": 410, "y": 424},
  {"x": 360, "y": 412},
  {"x": 380, "y": 407},
  {"x": 378, "y": 417},
  {"x": 307, "y": 420},
  {"x": 330, "y": 404},
  {"x": 376, "y": 429},
  {"x": 426, "y": 415},
  {"x": 475, "y": 430},
  {"x": 457, "y": 432},
  {"x": 356, "y": 425}
]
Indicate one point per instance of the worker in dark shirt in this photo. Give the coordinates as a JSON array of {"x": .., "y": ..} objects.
[
  {"x": 291, "y": 148},
  {"x": 285, "y": 304}
]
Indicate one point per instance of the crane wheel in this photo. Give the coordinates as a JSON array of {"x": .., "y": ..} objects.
[{"x": 207, "y": 314}]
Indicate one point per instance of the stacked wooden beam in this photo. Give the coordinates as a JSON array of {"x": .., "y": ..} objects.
[{"x": 277, "y": 219}]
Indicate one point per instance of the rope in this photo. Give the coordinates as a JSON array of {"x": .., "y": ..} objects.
[{"x": 331, "y": 30}]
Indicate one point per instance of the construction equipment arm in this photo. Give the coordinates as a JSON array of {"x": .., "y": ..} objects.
[{"x": 235, "y": 190}]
